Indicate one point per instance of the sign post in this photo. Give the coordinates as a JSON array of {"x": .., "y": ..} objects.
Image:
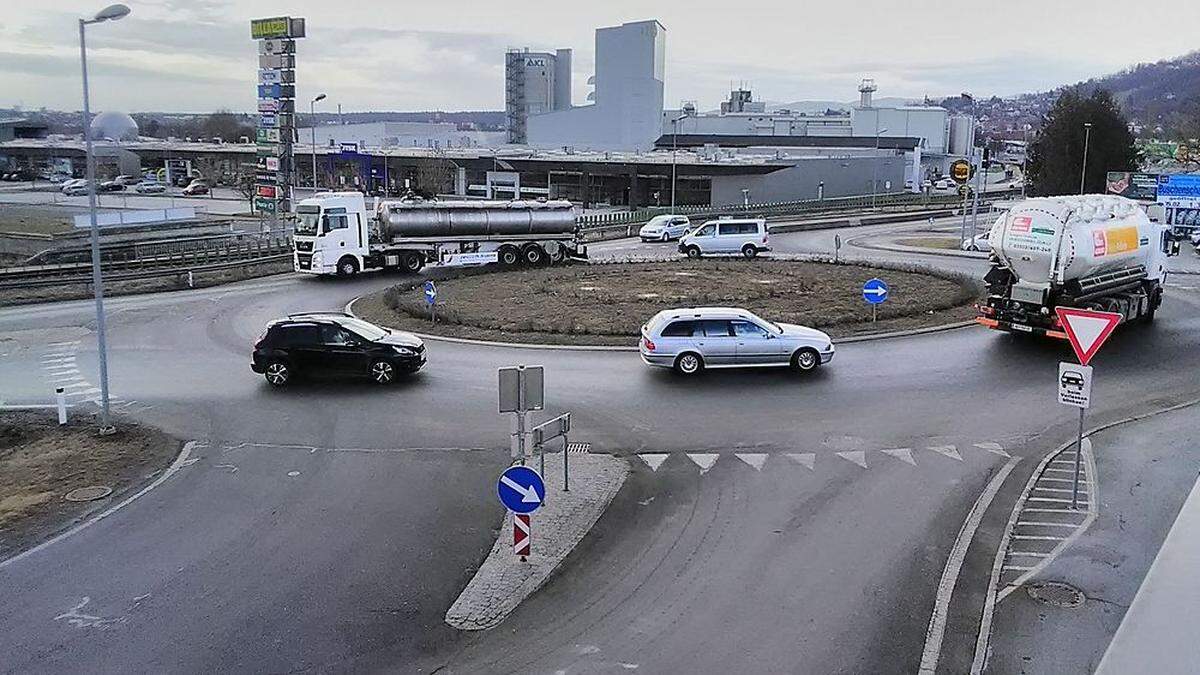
[
  {"x": 837, "y": 247},
  {"x": 960, "y": 172},
  {"x": 875, "y": 292},
  {"x": 1086, "y": 330},
  {"x": 522, "y": 389},
  {"x": 521, "y": 490},
  {"x": 431, "y": 300},
  {"x": 559, "y": 426}
]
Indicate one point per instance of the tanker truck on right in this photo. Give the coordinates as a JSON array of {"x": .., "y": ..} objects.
[{"x": 1097, "y": 252}]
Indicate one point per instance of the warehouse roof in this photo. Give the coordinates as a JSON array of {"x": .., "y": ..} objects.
[{"x": 783, "y": 141}]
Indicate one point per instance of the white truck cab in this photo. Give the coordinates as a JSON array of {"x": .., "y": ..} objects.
[{"x": 332, "y": 234}]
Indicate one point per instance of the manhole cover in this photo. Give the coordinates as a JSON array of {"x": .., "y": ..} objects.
[
  {"x": 88, "y": 494},
  {"x": 1055, "y": 593}
]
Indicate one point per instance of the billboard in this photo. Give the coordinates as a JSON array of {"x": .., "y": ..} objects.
[
  {"x": 1133, "y": 184},
  {"x": 1180, "y": 194},
  {"x": 276, "y": 107}
]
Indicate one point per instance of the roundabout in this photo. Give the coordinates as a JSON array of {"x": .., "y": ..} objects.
[{"x": 768, "y": 522}]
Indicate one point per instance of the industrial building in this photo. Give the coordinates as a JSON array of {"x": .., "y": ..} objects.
[
  {"x": 535, "y": 83},
  {"x": 626, "y": 102},
  {"x": 435, "y": 135}
]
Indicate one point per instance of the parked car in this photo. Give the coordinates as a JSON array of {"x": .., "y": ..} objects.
[
  {"x": 126, "y": 180},
  {"x": 110, "y": 186},
  {"x": 333, "y": 343},
  {"x": 979, "y": 242},
  {"x": 150, "y": 187},
  {"x": 75, "y": 187},
  {"x": 945, "y": 185},
  {"x": 665, "y": 228},
  {"x": 196, "y": 188},
  {"x": 692, "y": 339},
  {"x": 745, "y": 236}
]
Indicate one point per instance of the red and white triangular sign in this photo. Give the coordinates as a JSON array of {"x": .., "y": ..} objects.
[{"x": 1087, "y": 329}]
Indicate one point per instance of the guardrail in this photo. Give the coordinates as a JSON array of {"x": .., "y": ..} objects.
[
  {"x": 165, "y": 263},
  {"x": 800, "y": 207}
]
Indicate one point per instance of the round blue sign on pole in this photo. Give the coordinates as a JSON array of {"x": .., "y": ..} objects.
[
  {"x": 521, "y": 489},
  {"x": 430, "y": 292},
  {"x": 875, "y": 291}
]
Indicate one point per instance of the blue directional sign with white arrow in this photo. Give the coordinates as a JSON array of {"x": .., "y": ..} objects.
[
  {"x": 521, "y": 489},
  {"x": 875, "y": 291},
  {"x": 430, "y": 292}
]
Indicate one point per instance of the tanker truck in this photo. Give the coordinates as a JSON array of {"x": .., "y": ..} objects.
[
  {"x": 335, "y": 234},
  {"x": 1098, "y": 252}
]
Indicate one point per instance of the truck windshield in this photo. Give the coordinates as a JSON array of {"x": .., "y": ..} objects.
[{"x": 307, "y": 220}]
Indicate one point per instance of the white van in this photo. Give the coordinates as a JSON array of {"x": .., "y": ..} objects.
[{"x": 747, "y": 236}]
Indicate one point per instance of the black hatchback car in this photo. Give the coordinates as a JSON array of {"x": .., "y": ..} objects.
[{"x": 332, "y": 343}]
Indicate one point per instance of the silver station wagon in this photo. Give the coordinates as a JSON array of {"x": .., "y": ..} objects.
[{"x": 692, "y": 339}]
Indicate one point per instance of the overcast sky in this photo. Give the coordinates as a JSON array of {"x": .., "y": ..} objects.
[{"x": 196, "y": 55}]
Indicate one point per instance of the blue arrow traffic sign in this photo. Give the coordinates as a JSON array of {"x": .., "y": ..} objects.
[
  {"x": 875, "y": 291},
  {"x": 521, "y": 489},
  {"x": 430, "y": 292}
]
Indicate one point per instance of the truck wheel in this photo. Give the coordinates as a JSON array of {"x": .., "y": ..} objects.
[
  {"x": 508, "y": 256},
  {"x": 533, "y": 254},
  {"x": 347, "y": 267},
  {"x": 411, "y": 263},
  {"x": 557, "y": 254}
]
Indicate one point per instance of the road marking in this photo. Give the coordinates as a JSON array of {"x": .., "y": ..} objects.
[
  {"x": 856, "y": 456},
  {"x": 704, "y": 460},
  {"x": 1016, "y": 568},
  {"x": 1054, "y": 499},
  {"x": 1062, "y": 480},
  {"x": 947, "y": 450},
  {"x": 1028, "y": 554},
  {"x": 754, "y": 459},
  {"x": 807, "y": 459},
  {"x": 1038, "y": 537},
  {"x": 993, "y": 448},
  {"x": 1043, "y": 523},
  {"x": 1046, "y": 489},
  {"x": 902, "y": 454},
  {"x": 958, "y": 553},
  {"x": 654, "y": 459}
]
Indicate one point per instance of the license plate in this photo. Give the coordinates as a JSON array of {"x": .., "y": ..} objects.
[{"x": 1023, "y": 329}]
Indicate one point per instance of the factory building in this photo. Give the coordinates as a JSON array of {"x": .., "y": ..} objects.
[
  {"x": 435, "y": 135},
  {"x": 535, "y": 83},
  {"x": 626, "y": 103}
]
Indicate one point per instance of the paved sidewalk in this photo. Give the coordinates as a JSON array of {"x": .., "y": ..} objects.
[
  {"x": 1145, "y": 471},
  {"x": 503, "y": 581}
]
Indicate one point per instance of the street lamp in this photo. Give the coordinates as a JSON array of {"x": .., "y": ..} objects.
[
  {"x": 674, "y": 145},
  {"x": 110, "y": 13},
  {"x": 312, "y": 120},
  {"x": 875, "y": 161},
  {"x": 1087, "y": 136}
]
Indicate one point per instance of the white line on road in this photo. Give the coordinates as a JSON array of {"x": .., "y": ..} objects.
[
  {"x": 754, "y": 459},
  {"x": 902, "y": 454},
  {"x": 807, "y": 459},
  {"x": 1043, "y": 523},
  {"x": 958, "y": 554},
  {"x": 1037, "y": 537},
  {"x": 654, "y": 459},
  {"x": 704, "y": 460},
  {"x": 856, "y": 456}
]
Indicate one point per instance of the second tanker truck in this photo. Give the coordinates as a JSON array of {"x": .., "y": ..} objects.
[
  {"x": 1097, "y": 252},
  {"x": 335, "y": 234}
]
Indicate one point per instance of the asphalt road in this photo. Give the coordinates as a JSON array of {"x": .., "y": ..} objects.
[{"x": 329, "y": 526}]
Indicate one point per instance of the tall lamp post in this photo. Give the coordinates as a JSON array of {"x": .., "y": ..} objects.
[
  {"x": 312, "y": 120},
  {"x": 1087, "y": 136},
  {"x": 674, "y": 146},
  {"x": 110, "y": 13},
  {"x": 875, "y": 161}
]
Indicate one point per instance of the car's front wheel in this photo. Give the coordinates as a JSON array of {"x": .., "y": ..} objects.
[
  {"x": 666, "y": 236},
  {"x": 689, "y": 364},
  {"x": 693, "y": 252},
  {"x": 383, "y": 372},
  {"x": 805, "y": 359},
  {"x": 278, "y": 373}
]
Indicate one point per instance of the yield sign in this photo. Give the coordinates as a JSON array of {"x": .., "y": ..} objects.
[{"x": 1087, "y": 330}]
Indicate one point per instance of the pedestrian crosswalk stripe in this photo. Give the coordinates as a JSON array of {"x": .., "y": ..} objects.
[
  {"x": 704, "y": 460},
  {"x": 807, "y": 459},
  {"x": 902, "y": 454},
  {"x": 654, "y": 459},
  {"x": 754, "y": 459},
  {"x": 947, "y": 450}
]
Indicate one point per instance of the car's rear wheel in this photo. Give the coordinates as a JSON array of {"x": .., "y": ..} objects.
[
  {"x": 693, "y": 252},
  {"x": 805, "y": 360},
  {"x": 278, "y": 373},
  {"x": 383, "y": 372},
  {"x": 689, "y": 363},
  {"x": 749, "y": 251}
]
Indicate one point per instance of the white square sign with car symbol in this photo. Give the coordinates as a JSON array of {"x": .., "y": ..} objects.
[{"x": 1074, "y": 384}]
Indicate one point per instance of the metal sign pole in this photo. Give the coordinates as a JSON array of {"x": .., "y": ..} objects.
[
  {"x": 541, "y": 451},
  {"x": 566, "y": 463},
  {"x": 1078, "y": 455}
]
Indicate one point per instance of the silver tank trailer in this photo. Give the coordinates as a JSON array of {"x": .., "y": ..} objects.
[{"x": 433, "y": 220}]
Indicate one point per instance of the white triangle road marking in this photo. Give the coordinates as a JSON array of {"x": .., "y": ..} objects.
[
  {"x": 947, "y": 450},
  {"x": 704, "y": 460},
  {"x": 993, "y": 448},
  {"x": 857, "y": 456},
  {"x": 807, "y": 459},
  {"x": 754, "y": 459},
  {"x": 653, "y": 459},
  {"x": 902, "y": 454}
]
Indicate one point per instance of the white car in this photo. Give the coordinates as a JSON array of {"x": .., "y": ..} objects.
[
  {"x": 979, "y": 242},
  {"x": 150, "y": 187},
  {"x": 694, "y": 338},
  {"x": 72, "y": 184},
  {"x": 747, "y": 236},
  {"x": 665, "y": 228}
]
